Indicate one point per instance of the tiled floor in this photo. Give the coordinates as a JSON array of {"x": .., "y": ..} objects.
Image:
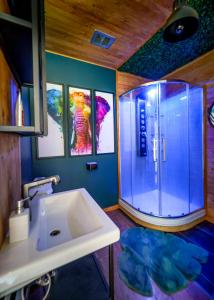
[
  {"x": 203, "y": 235},
  {"x": 193, "y": 292}
]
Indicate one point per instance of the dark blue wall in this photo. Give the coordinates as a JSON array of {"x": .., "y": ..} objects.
[
  {"x": 102, "y": 183},
  {"x": 26, "y": 145}
]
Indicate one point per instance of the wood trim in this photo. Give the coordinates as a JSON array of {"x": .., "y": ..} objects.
[
  {"x": 209, "y": 219},
  {"x": 126, "y": 82},
  {"x": 10, "y": 178},
  {"x": 209, "y": 84},
  {"x": 111, "y": 208},
  {"x": 210, "y": 154},
  {"x": 118, "y": 134},
  {"x": 205, "y": 148},
  {"x": 4, "y": 6},
  {"x": 162, "y": 228},
  {"x": 82, "y": 60}
]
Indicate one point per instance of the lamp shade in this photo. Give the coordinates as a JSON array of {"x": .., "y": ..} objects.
[{"x": 182, "y": 24}]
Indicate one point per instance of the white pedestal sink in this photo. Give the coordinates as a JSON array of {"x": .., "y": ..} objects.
[{"x": 65, "y": 226}]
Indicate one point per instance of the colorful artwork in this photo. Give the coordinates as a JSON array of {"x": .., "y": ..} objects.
[
  {"x": 80, "y": 125},
  {"x": 52, "y": 145},
  {"x": 104, "y": 122}
]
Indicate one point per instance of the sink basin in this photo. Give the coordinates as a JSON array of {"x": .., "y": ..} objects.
[
  {"x": 64, "y": 217},
  {"x": 65, "y": 226}
]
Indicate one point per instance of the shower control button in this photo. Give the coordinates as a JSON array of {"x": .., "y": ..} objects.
[{"x": 142, "y": 142}]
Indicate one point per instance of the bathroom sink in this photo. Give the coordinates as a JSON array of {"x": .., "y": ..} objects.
[
  {"x": 65, "y": 217},
  {"x": 65, "y": 226}
]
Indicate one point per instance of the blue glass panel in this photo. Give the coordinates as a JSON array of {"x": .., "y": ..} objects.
[
  {"x": 144, "y": 152},
  {"x": 174, "y": 154},
  {"x": 196, "y": 148},
  {"x": 125, "y": 148}
]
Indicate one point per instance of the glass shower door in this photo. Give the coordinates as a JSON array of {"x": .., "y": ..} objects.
[
  {"x": 125, "y": 148},
  {"x": 145, "y": 177},
  {"x": 174, "y": 149}
]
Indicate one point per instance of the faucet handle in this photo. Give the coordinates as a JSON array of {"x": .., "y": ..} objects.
[{"x": 20, "y": 204}]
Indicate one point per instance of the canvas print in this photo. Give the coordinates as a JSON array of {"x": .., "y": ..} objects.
[
  {"x": 52, "y": 145},
  {"x": 80, "y": 121},
  {"x": 104, "y": 122}
]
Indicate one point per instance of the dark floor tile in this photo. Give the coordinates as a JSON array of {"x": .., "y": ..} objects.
[
  {"x": 79, "y": 280},
  {"x": 205, "y": 240},
  {"x": 199, "y": 237},
  {"x": 208, "y": 269},
  {"x": 206, "y": 284},
  {"x": 206, "y": 227}
]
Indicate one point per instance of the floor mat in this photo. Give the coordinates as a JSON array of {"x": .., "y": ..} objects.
[{"x": 163, "y": 257}]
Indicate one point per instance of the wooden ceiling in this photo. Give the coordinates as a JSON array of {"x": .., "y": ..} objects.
[{"x": 71, "y": 23}]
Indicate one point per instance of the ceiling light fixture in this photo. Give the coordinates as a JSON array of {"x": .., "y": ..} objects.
[{"x": 182, "y": 23}]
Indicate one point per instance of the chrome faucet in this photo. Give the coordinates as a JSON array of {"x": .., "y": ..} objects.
[{"x": 53, "y": 179}]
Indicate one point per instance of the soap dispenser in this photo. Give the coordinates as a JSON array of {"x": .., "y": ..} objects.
[{"x": 19, "y": 223}]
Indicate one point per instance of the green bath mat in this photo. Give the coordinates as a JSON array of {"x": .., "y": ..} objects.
[{"x": 167, "y": 259}]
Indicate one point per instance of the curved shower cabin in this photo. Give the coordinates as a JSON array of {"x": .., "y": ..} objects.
[{"x": 162, "y": 155}]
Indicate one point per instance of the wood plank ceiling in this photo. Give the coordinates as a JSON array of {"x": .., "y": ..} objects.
[{"x": 71, "y": 23}]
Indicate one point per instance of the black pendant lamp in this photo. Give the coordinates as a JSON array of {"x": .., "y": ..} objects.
[{"x": 182, "y": 23}]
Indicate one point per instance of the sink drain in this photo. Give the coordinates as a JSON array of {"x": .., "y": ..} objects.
[{"x": 55, "y": 232}]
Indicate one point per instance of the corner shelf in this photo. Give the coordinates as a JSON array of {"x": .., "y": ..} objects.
[{"x": 16, "y": 42}]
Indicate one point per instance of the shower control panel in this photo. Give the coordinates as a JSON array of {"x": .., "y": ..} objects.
[{"x": 141, "y": 128}]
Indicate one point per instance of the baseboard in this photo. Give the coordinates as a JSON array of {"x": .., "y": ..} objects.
[
  {"x": 111, "y": 208},
  {"x": 209, "y": 219}
]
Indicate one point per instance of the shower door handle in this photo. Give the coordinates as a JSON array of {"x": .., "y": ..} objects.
[
  {"x": 155, "y": 148},
  {"x": 164, "y": 149}
]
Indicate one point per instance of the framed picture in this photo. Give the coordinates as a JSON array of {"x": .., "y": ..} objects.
[
  {"x": 104, "y": 104},
  {"x": 211, "y": 115},
  {"x": 52, "y": 145},
  {"x": 80, "y": 133}
]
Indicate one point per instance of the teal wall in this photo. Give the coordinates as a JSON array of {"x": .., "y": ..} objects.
[{"x": 102, "y": 183}]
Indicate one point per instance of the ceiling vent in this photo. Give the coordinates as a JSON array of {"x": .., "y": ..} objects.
[{"x": 102, "y": 39}]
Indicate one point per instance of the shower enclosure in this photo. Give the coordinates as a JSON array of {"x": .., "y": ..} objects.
[{"x": 161, "y": 152}]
